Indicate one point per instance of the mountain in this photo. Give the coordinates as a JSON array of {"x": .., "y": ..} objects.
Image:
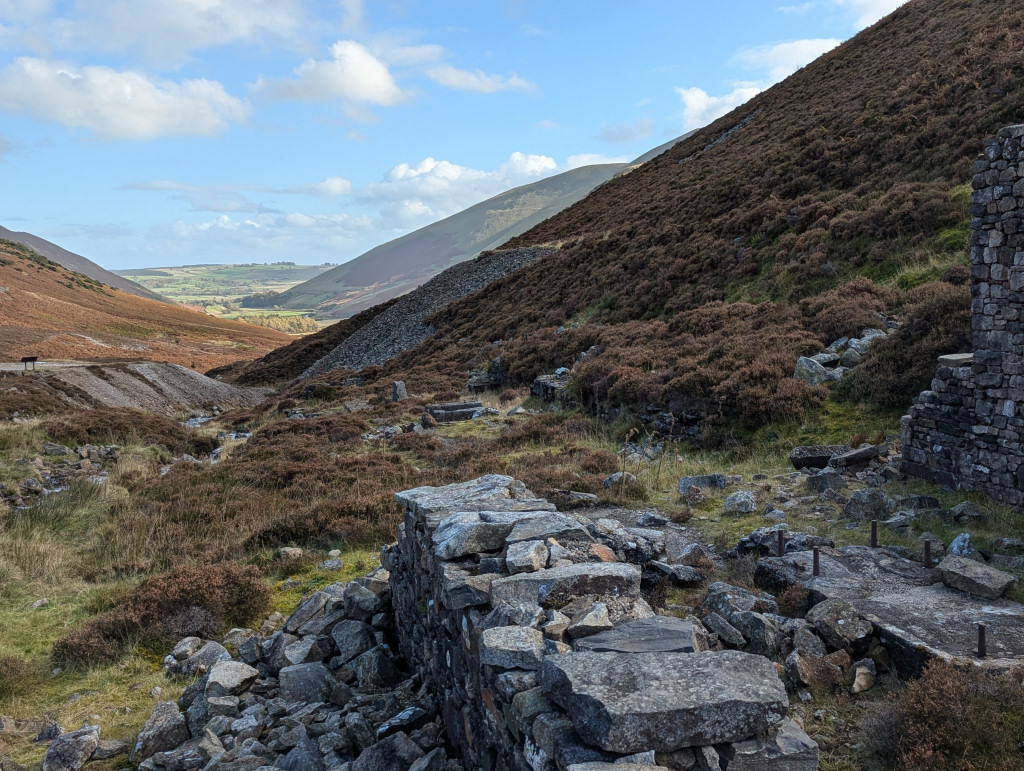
[
  {"x": 49, "y": 311},
  {"x": 77, "y": 263},
  {"x": 398, "y": 266},
  {"x": 697, "y": 280}
]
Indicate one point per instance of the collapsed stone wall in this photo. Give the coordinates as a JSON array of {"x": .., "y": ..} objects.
[
  {"x": 542, "y": 657},
  {"x": 966, "y": 432}
]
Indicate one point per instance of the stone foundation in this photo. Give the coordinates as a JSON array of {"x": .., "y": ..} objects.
[
  {"x": 966, "y": 431},
  {"x": 542, "y": 656}
]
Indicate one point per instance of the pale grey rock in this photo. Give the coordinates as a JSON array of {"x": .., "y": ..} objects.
[
  {"x": 71, "y": 751},
  {"x": 635, "y": 702},
  {"x": 395, "y": 753},
  {"x": 605, "y": 579},
  {"x": 462, "y": 589},
  {"x": 785, "y": 748},
  {"x": 809, "y": 371},
  {"x": 466, "y": 533},
  {"x": 595, "y": 620},
  {"x": 869, "y": 504},
  {"x": 842, "y": 627},
  {"x": 562, "y": 528},
  {"x": 741, "y": 502},
  {"x": 230, "y": 678},
  {"x": 727, "y": 633},
  {"x": 657, "y": 634},
  {"x": 526, "y": 557},
  {"x": 961, "y": 546},
  {"x": 493, "y": 492},
  {"x": 311, "y": 683},
  {"x": 975, "y": 578},
  {"x": 512, "y": 647},
  {"x": 375, "y": 670},
  {"x": 352, "y": 638},
  {"x": 165, "y": 729}
]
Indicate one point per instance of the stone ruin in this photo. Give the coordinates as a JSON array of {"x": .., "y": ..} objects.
[{"x": 967, "y": 431}]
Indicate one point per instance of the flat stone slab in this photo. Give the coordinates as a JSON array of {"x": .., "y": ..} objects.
[
  {"x": 636, "y": 702},
  {"x": 974, "y": 577},
  {"x": 916, "y": 616},
  {"x": 557, "y": 586},
  {"x": 956, "y": 360},
  {"x": 657, "y": 634},
  {"x": 493, "y": 492},
  {"x": 558, "y": 526}
]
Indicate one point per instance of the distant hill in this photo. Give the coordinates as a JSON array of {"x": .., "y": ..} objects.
[
  {"x": 398, "y": 266},
  {"x": 78, "y": 263},
  {"x": 51, "y": 312}
]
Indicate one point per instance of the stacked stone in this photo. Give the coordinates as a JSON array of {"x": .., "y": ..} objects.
[
  {"x": 967, "y": 430},
  {"x": 542, "y": 657}
]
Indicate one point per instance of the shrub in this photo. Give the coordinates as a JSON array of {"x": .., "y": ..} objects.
[
  {"x": 937, "y": 321},
  {"x": 13, "y": 673},
  {"x": 950, "y": 719},
  {"x": 794, "y": 601},
  {"x": 126, "y": 427},
  {"x": 182, "y": 601}
]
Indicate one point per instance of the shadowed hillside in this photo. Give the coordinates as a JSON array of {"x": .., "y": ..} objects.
[{"x": 54, "y": 313}]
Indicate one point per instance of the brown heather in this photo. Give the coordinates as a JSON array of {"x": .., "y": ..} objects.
[
  {"x": 183, "y": 601},
  {"x": 122, "y": 427},
  {"x": 706, "y": 272}
]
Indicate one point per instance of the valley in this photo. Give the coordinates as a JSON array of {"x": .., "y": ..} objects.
[{"x": 710, "y": 461}]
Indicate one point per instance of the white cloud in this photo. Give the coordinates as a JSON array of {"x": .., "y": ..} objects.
[
  {"x": 117, "y": 105},
  {"x": 353, "y": 75},
  {"x": 867, "y": 12},
  {"x": 593, "y": 159},
  {"x": 215, "y": 198},
  {"x": 700, "y": 108},
  {"x": 776, "y": 61},
  {"x": 478, "y": 81},
  {"x": 783, "y": 59},
  {"x": 623, "y": 133},
  {"x": 329, "y": 188},
  {"x": 168, "y": 30},
  {"x": 432, "y": 189}
]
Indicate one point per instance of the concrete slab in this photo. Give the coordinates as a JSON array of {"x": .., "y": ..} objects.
[{"x": 915, "y": 615}]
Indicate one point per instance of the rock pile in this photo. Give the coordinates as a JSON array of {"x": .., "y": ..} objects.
[
  {"x": 404, "y": 325},
  {"x": 57, "y": 467},
  {"x": 840, "y": 357}
]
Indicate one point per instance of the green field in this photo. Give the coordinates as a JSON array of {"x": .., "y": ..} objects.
[{"x": 218, "y": 290}]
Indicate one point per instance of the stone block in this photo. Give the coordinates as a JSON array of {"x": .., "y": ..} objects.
[{"x": 634, "y": 702}]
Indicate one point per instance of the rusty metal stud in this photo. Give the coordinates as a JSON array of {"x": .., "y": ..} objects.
[
  {"x": 816, "y": 570},
  {"x": 782, "y": 542},
  {"x": 874, "y": 534},
  {"x": 927, "y": 552},
  {"x": 982, "y": 642}
]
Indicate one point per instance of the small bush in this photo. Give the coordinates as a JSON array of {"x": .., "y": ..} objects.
[
  {"x": 795, "y": 601},
  {"x": 937, "y": 321},
  {"x": 127, "y": 427},
  {"x": 950, "y": 719},
  {"x": 180, "y": 602},
  {"x": 13, "y": 673}
]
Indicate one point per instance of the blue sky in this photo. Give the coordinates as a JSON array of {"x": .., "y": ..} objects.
[{"x": 170, "y": 132}]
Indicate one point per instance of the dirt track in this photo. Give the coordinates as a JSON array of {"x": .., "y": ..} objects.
[{"x": 160, "y": 388}]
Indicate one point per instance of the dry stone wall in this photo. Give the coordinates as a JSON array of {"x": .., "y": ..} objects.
[
  {"x": 542, "y": 656},
  {"x": 966, "y": 432}
]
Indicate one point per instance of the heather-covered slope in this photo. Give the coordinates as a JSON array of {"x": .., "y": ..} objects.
[
  {"x": 706, "y": 272},
  {"x": 54, "y": 313},
  {"x": 78, "y": 263}
]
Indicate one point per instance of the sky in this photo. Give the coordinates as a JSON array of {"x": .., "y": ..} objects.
[{"x": 172, "y": 132}]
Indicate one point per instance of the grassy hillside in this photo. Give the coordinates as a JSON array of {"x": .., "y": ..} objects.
[
  {"x": 77, "y": 263},
  {"x": 51, "y": 312},
  {"x": 398, "y": 266},
  {"x": 702, "y": 275}
]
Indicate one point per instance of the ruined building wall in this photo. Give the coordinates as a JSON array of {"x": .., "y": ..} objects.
[
  {"x": 966, "y": 432},
  {"x": 478, "y": 574}
]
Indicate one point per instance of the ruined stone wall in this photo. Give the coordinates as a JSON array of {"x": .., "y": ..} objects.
[
  {"x": 543, "y": 657},
  {"x": 966, "y": 431}
]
